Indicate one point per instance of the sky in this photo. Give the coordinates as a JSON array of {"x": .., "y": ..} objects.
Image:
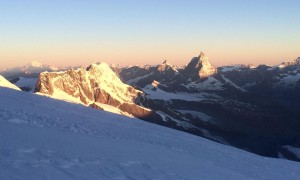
[{"x": 130, "y": 32}]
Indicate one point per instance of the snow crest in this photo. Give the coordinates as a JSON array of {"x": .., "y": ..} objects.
[{"x": 7, "y": 84}]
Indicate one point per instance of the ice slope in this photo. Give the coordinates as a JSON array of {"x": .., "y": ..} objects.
[
  {"x": 43, "y": 138},
  {"x": 5, "y": 83}
]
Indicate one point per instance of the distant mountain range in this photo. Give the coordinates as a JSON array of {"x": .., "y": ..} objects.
[
  {"x": 30, "y": 70},
  {"x": 255, "y": 108},
  {"x": 25, "y": 77}
]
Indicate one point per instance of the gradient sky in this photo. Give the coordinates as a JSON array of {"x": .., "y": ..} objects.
[{"x": 78, "y": 32}]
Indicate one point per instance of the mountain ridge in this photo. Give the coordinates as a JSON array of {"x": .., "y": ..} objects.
[
  {"x": 91, "y": 86},
  {"x": 233, "y": 105}
]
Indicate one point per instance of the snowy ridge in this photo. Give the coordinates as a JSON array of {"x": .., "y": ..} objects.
[
  {"x": 166, "y": 66},
  {"x": 197, "y": 114},
  {"x": 289, "y": 63},
  {"x": 155, "y": 92},
  {"x": 183, "y": 124},
  {"x": 290, "y": 80},
  {"x": 47, "y": 139},
  {"x": 230, "y": 68},
  {"x": 6, "y": 83},
  {"x": 133, "y": 81},
  {"x": 233, "y": 84},
  {"x": 102, "y": 77}
]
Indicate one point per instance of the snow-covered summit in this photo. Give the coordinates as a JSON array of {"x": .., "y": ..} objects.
[
  {"x": 35, "y": 67},
  {"x": 103, "y": 72},
  {"x": 97, "y": 84}
]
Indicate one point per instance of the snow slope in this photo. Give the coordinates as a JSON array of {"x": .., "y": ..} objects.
[
  {"x": 155, "y": 92},
  {"x": 43, "y": 138},
  {"x": 6, "y": 83}
]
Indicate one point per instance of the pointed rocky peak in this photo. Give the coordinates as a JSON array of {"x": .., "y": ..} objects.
[
  {"x": 199, "y": 67},
  {"x": 202, "y": 54},
  {"x": 165, "y": 66}
]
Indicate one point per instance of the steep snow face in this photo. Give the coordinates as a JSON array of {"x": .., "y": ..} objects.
[
  {"x": 98, "y": 83},
  {"x": 6, "y": 83},
  {"x": 42, "y": 138},
  {"x": 105, "y": 79}
]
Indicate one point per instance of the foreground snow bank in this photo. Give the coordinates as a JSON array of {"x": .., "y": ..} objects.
[
  {"x": 42, "y": 138},
  {"x": 5, "y": 83}
]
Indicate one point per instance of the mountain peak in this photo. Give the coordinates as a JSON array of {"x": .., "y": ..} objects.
[
  {"x": 200, "y": 67},
  {"x": 289, "y": 63},
  {"x": 201, "y": 54},
  {"x": 165, "y": 66},
  {"x": 203, "y": 57},
  {"x": 35, "y": 64}
]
